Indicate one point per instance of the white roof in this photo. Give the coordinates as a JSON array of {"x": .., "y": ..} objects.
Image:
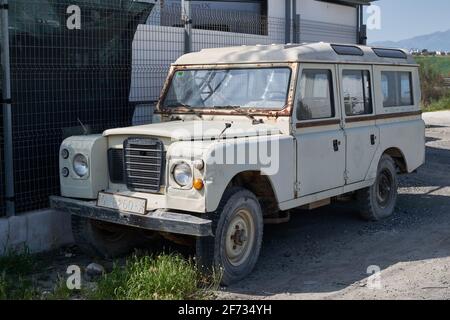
[{"x": 313, "y": 52}]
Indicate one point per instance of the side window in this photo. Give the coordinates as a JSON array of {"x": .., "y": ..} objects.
[
  {"x": 406, "y": 96},
  {"x": 315, "y": 95},
  {"x": 397, "y": 89},
  {"x": 357, "y": 92}
]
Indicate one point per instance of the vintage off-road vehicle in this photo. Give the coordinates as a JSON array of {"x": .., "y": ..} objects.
[{"x": 242, "y": 135}]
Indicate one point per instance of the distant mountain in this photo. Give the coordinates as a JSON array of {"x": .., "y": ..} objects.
[{"x": 438, "y": 41}]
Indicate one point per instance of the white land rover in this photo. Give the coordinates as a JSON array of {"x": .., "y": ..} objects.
[{"x": 242, "y": 135}]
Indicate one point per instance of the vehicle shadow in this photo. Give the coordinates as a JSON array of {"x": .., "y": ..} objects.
[
  {"x": 331, "y": 248},
  {"x": 436, "y": 171}
]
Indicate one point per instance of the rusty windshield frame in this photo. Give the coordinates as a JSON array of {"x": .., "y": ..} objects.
[{"x": 285, "y": 111}]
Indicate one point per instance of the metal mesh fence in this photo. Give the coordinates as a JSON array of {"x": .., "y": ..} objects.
[
  {"x": 2, "y": 177},
  {"x": 83, "y": 66},
  {"x": 66, "y": 79}
]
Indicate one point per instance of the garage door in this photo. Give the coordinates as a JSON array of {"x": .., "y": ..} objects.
[{"x": 313, "y": 31}]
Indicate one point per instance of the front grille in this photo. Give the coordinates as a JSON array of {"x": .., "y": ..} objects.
[
  {"x": 115, "y": 165},
  {"x": 144, "y": 164}
]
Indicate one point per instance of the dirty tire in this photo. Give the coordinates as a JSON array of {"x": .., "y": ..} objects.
[
  {"x": 378, "y": 201},
  {"x": 238, "y": 233},
  {"x": 101, "y": 239}
]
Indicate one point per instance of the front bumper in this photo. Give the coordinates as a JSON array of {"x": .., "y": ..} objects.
[{"x": 158, "y": 220}]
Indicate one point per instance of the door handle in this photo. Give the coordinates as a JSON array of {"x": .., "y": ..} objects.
[
  {"x": 373, "y": 139},
  {"x": 336, "y": 144}
]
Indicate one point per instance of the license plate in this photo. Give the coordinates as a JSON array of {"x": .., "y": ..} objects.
[{"x": 122, "y": 203}]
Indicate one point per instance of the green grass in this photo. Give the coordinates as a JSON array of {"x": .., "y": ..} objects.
[
  {"x": 62, "y": 292},
  {"x": 438, "y": 105},
  {"x": 143, "y": 277},
  {"x": 16, "y": 283},
  {"x": 438, "y": 63},
  {"x": 164, "y": 277}
]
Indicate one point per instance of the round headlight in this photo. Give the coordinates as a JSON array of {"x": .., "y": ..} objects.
[
  {"x": 182, "y": 174},
  {"x": 80, "y": 165}
]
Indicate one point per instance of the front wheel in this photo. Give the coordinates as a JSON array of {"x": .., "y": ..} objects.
[
  {"x": 238, "y": 233},
  {"x": 102, "y": 239},
  {"x": 378, "y": 201}
]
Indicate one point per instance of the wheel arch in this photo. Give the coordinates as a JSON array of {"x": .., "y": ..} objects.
[
  {"x": 396, "y": 154},
  {"x": 259, "y": 184},
  {"x": 399, "y": 158}
]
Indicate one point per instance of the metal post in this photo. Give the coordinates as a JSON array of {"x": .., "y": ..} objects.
[
  {"x": 187, "y": 21},
  {"x": 358, "y": 24},
  {"x": 294, "y": 21},
  {"x": 297, "y": 33},
  {"x": 7, "y": 116},
  {"x": 288, "y": 17},
  {"x": 362, "y": 27}
]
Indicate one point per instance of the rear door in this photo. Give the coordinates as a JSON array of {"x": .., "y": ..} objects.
[
  {"x": 361, "y": 133},
  {"x": 319, "y": 136}
]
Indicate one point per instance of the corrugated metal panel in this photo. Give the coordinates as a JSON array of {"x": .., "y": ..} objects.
[{"x": 314, "y": 31}]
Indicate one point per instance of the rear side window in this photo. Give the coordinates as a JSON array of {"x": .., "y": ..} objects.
[
  {"x": 347, "y": 50},
  {"x": 357, "y": 92},
  {"x": 390, "y": 53},
  {"x": 316, "y": 99},
  {"x": 397, "y": 89}
]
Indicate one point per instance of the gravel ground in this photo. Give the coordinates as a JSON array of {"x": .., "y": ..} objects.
[{"x": 326, "y": 253}]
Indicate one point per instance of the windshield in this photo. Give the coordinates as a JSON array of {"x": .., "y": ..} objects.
[{"x": 265, "y": 88}]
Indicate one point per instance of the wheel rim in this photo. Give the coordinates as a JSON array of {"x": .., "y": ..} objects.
[
  {"x": 240, "y": 237},
  {"x": 385, "y": 188}
]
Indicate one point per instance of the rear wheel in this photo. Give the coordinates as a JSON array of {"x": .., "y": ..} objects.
[
  {"x": 102, "y": 239},
  {"x": 238, "y": 231},
  {"x": 378, "y": 201}
]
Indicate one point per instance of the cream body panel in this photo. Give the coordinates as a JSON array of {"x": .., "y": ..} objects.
[
  {"x": 360, "y": 151},
  {"x": 218, "y": 176},
  {"x": 94, "y": 148},
  {"x": 406, "y": 135}
]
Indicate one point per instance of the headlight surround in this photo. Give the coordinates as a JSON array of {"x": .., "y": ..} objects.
[
  {"x": 80, "y": 165},
  {"x": 182, "y": 174}
]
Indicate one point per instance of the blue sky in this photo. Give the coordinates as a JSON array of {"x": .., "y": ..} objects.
[{"x": 403, "y": 19}]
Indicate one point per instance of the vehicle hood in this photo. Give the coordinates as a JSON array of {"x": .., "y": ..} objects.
[{"x": 197, "y": 130}]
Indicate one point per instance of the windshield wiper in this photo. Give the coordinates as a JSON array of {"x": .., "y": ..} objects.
[
  {"x": 186, "y": 108},
  {"x": 242, "y": 112}
]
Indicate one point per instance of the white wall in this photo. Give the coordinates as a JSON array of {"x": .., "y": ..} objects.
[
  {"x": 316, "y": 11},
  {"x": 276, "y": 8},
  {"x": 327, "y": 12}
]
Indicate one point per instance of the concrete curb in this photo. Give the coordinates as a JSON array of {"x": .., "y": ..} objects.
[
  {"x": 438, "y": 118},
  {"x": 39, "y": 231}
]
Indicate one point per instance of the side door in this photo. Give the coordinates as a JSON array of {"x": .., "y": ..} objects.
[
  {"x": 318, "y": 133},
  {"x": 361, "y": 133}
]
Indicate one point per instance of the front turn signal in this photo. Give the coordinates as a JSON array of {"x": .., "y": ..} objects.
[{"x": 198, "y": 184}]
